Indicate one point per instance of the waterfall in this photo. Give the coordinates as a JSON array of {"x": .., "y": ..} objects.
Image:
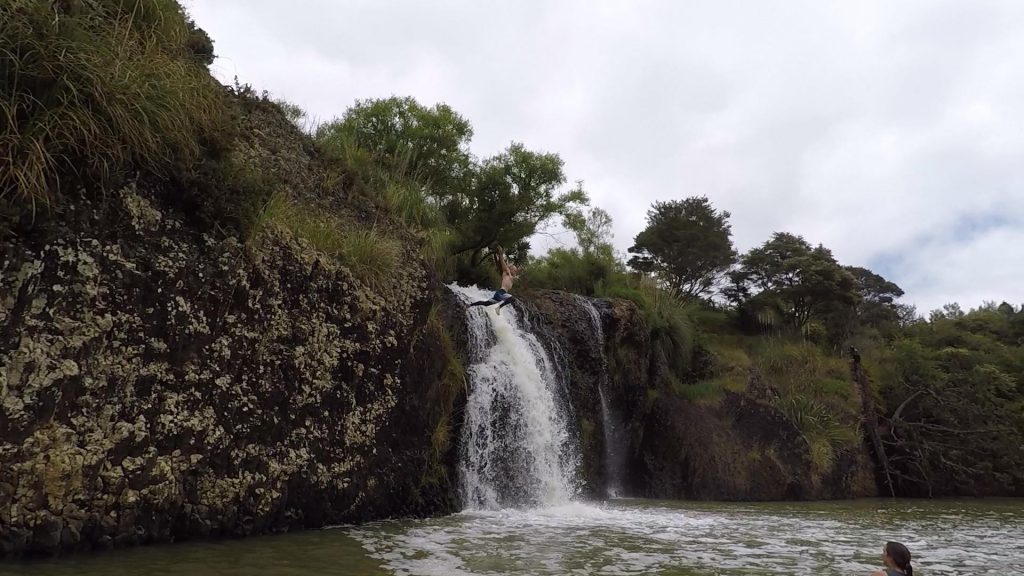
[
  {"x": 614, "y": 444},
  {"x": 516, "y": 449}
]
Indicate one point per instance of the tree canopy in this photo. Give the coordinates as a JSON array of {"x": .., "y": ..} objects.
[
  {"x": 502, "y": 200},
  {"x": 793, "y": 278},
  {"x": 431, "y": 144},
  {"x": 512, "y": 194},
  {"x": 687, "y": 245}
]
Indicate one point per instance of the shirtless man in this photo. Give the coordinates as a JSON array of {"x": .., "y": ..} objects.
[{"x": 508, "y": 275}]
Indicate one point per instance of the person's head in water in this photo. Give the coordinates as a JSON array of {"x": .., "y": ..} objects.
[{"x": 896, "y": 555}]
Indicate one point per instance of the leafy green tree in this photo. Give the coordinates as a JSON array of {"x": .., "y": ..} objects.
[
  {"x": 875, "y": 314},
  {"x": 512, "y": 195},
  {"x": 687, "y": 245},
  {"x": 906, "y": 315},
  {"x": 876, "y": 308},
  {"x": 593, "y": 229},
  {"x": 572, "y": 270},
  {"x": 502, "y": 200},
  {"x": 586, "y": 270},
  {"x": 873, "y": 288},
  {"x": 430, "y": 144},
  {"x": 1007, "y": 309},
  {"x": 794, "y": 279}
]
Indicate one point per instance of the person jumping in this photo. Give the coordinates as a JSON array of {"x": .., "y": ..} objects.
[{"x": 508, "y": 275}]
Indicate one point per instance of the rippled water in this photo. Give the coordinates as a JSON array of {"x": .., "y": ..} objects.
[{"x": 620, "y": 537}]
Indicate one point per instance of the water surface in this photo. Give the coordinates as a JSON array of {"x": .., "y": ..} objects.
[{"x": 611, "y": 538}]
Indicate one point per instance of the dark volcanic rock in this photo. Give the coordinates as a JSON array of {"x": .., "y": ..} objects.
[
  {"x": 159, "y": 384},
  {"x": 738, "y": 448}
]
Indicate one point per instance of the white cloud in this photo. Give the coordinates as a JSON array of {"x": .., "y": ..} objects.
[{"x": 883, "y": 130}]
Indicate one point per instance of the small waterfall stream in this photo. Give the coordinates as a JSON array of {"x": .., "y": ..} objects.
[
  {"x": 614, "y": 443},
  {"x": 516, "y": 449}
]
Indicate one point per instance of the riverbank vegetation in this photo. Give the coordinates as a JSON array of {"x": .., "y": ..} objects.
[{"x": 98, "y": 94}]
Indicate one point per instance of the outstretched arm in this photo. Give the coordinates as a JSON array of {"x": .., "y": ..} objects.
[{"x": 499, "y": 257}]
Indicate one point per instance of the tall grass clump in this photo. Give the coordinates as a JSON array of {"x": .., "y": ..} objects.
[
  {"x": 393, "y": 184},
  {"x": 370, "y": 254},
  {"x": 95, "y": 91},
  {"x": 824, "y": 431}
]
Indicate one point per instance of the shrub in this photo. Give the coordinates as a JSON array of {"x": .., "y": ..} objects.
[
  {"x": 573, "y": 271},
  {"x": 90, "y": 94},
  {"x": 621, "y": 290},
  {"x": 826, "y": 435}
]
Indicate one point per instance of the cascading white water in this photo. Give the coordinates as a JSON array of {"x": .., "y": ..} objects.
[
  {"x": 614, "y": 446},
  {"x": 516, "y": 449}
]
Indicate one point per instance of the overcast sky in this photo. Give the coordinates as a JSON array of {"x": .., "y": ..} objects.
[{"x": 890, "y": 131}]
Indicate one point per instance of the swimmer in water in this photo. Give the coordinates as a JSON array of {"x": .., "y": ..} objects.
[{"x": 896, "y": 558}]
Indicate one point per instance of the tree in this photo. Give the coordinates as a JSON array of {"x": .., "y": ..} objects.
[
  {"x": 397, "y": 143},
  {"x": 797, "y": 281},
  {"x": 592, "y": 229},
  {"x": 950, "y": 311},
  {"x": 586, "y": 270},
  {"x": 872, "y": 287},
  {"x": 1006, "y": 309},
  {"x": 687, "y": 245},
  {"x": 906, "y": 315},
  {"x": 430, "y": 144},
  {"x": 511, "y": 196},
  {"x": 877, "y": 307}
]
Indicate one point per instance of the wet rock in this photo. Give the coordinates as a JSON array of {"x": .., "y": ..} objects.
[
  {"x": 70, "y": 537},
  {"x": 46, "y": 535},
  {"x": 103, "y": 543},
  {"x": 13, "y": 539},
  {"x": 738, "y": 448}
]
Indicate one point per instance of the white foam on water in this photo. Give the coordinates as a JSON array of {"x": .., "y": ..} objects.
[
  {"x": 516, "y": 449},
  {"x": 632, "y": 537}
]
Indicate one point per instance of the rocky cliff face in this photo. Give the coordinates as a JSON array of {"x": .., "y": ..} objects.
[
  {"x": 160, "y": 384},
  {"x": 740, "y": 447}
]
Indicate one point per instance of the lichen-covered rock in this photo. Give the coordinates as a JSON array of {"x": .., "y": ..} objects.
[{"x": 158, "y": 384}]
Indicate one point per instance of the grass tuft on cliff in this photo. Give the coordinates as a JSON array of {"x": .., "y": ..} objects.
[
  {"x": 367, "y": 251},
  {"x": 92, "y": 91}
]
